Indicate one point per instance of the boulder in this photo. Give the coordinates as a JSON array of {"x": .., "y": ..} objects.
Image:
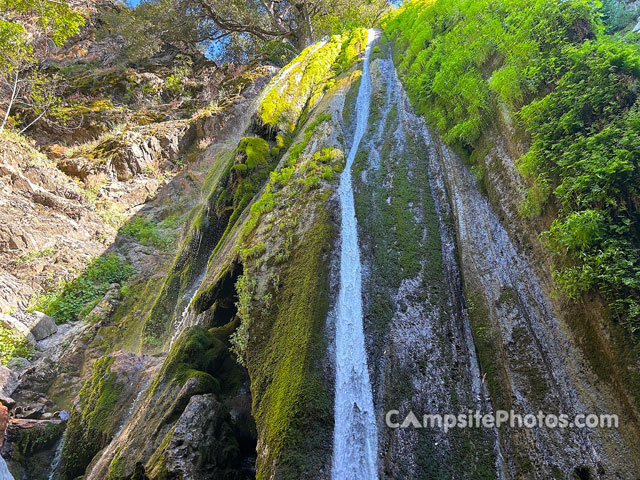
[
  {"x": 40, "y": 325},
  {"x": 17, "y": 326},
  {"x": 34, "y": 326},
  {"x": 25, "y": 438},
  {"x": 8, "y": 384}
]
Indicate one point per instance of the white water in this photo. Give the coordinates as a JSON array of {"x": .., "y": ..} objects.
[
  {"x": 355, "y": 439},
  {"x": 181, "y": 323},
  {"x": 4, "y": 471},
  {"x": 56, "y": 460}
]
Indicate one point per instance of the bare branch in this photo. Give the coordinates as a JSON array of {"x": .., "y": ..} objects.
[{"x": 14, "y": 94}]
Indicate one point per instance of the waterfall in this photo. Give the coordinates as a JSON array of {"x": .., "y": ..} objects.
[
  {"x": 56, "y": 460},
  {"x": 355, "y": 440},
  {"x": 182, "y": 322},
  {"x": 5, "y": 474}
]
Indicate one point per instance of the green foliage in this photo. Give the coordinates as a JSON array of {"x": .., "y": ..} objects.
[
  {"x": 54, "y": 19},
  {"x": 23, "y": 80},
  {"x": 30, "y": 257},
  {"x": 175, "y": 83},
  {"x": 617, "y": 14},
  {"x": 574, "y": 89},
  {"x": 145, "y": 28},
  {"x": 149, "y": 232},
  {"x": 240, "y": 338},
  {"x": 457, "y": 58},
  {"x": 12, "y": 344},
  {"x": 345, "y": 15},
  {"x": 585, "y": 152},
  {"x": 77, "y": 297}
]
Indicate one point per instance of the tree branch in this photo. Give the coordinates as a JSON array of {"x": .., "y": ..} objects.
[{"x": 14, "y": 94}]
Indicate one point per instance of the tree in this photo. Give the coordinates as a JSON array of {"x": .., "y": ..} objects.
[
  {"x": 292, "y": 20},
  {"x": 146, "y": 28},
  {"x": 28, "y": 30},
  {"x": 237, "y": 30}
]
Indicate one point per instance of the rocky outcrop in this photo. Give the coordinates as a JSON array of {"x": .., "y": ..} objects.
[
  {"x": 124, "y": 156},
  {"x": 34, "y": 326},
  {"x": 202, "y": 444},
  {"x": 47, "y": 228},
  {"x": 30, "y": 446}
]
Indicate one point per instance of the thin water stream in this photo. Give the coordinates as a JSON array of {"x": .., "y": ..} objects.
[{"x": 355, "y": 441}]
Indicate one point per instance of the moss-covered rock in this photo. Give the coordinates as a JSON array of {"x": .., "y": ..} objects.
[{"x": 92, "y": 424}]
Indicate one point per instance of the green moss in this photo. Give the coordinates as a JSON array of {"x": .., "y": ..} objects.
[
  {"x": 33, "y": 440},
  {"x": 280, "y": 178},
  {"x": 285, "y": 105},
  {"x": 256, "y": 150},
  {"x": 288, "y": 385},
  {"x": 350, "y": 101},
  {"x": 92, "y": 425},
  {"x": 487, "y": 342},
  {"x": 198, "y": 354}
]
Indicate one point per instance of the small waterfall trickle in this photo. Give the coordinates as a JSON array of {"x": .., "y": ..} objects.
[
  {"x": 181, "y": 322},
  {"x": 56, "y": 460},
  {"x": 355, "y": 441}
]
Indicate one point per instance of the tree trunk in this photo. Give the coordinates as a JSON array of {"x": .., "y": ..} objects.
[{"x": 305, "y": 27}]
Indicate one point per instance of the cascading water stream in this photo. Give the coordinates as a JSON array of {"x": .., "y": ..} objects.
[{"x": 355, "y": 440}]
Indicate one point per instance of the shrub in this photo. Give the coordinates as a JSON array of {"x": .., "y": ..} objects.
[
  {"x": 12, "y": 344},
  {"x": 150, "y": 233},
  {"x": 77, "y": 297}
]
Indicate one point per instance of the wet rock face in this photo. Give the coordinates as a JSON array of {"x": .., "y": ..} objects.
[
  {"x": 203, "y": 444},
  {"x": 530, "y": 355},
  {"x": 419, "y": 341},
  {"x": 30, "y": 446}
]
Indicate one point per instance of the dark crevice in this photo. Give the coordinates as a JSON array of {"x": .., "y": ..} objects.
[
  {"x": 582, "y": 473},
  {"x": 220, "y": 297}
]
